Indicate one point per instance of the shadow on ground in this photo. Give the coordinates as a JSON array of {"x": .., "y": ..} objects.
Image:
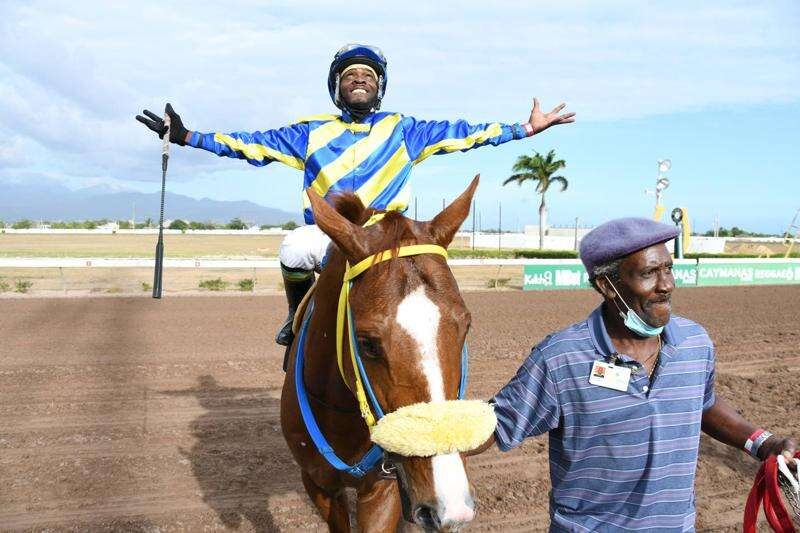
[{"x": 240, "y": 458}]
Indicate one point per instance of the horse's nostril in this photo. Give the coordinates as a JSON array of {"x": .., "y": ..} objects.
[{"x": 427, "y": 517}]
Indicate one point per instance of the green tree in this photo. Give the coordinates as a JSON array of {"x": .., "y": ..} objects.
[
  {"x": 236, "y": 223},
  {"x": 289, "y": 225},
  {"x": 540, "y": 170},
  {"x": 22, "y": 224},
  {"x": 178, "y": 224},
  {"x": 199, "y": 225}
]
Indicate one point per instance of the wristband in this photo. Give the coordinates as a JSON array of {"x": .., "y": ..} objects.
[
  {"x": 528, "y": 129},
  {"x": 755, "y": 441}
]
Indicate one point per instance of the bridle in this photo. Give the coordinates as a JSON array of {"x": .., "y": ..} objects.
[
  {"x": 363, "y": 385},
  {"x": 363, "y": 388}
]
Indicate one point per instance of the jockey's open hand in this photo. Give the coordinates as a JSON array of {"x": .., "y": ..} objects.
[
  {"x": 540, "y": 121},
  {"x": 177, "y": 133}
]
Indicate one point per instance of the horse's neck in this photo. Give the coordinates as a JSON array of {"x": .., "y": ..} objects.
[{"x": 321, "y": 369}]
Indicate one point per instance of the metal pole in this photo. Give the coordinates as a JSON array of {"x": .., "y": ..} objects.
[
  {"x": 499, "y": 226},
  {"x": 473, "y": 224},
  {"x": 415, "y": 209},
  {"x": 575, "y": 247}
]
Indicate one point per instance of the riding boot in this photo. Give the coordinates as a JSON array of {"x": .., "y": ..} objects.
[{"x": 296, "y": 282}]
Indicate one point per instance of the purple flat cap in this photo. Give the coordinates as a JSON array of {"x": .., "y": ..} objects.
[{"x": 620, "y": 237}]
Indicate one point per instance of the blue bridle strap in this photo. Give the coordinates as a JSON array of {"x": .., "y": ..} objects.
[
  {"x": 373, "y": 455},
  {"x": 462, "y": 385}
]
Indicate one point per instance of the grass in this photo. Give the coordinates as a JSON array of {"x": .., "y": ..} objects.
[
  {"x": 23, "y": 286},
  {"x": 185, "y": 246},
  {"x": 133, "y": 246},
  {"x": 246, "y": 284},
  {"x": 494, "y": 253},
  {"x": 496, "y": 283},
  {"x": 80, "y": 280},
  {"x": 216, "y": 284}
]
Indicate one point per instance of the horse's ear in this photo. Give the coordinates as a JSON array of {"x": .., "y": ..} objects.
[
  {"x": 444, "y": 226},
  {"x": 347, "y": 236}
]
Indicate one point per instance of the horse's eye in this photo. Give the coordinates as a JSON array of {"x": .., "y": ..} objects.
[{"x": 370, "y": 347}]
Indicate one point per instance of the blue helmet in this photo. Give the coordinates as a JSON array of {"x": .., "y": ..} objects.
[{"x": 353, "y": 53}]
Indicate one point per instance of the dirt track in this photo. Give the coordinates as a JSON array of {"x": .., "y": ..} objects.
[{"x": 141, "y": 415}]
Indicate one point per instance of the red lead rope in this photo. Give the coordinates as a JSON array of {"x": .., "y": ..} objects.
[{"x": 765, "y": 489}]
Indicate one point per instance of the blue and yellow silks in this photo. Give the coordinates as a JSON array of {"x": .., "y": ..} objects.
[{"x": 373, "y": 159}]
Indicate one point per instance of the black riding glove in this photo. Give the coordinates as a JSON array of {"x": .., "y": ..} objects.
[{"x": 177, "y": 133}]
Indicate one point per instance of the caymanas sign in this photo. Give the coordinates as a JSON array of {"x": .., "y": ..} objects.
[
  {"x": 716, "y": 272},
  {"x": 570, "y": 274}
]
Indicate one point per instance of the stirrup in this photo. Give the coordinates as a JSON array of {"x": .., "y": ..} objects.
[{"x": 285, "y": 335}]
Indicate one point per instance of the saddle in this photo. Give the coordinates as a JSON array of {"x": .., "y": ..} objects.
[
  {"x": 301, "y": 309},
  {"x": 298, "y": 320}
]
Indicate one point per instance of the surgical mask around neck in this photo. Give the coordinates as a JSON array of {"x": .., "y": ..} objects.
[{"x": 633, "y": 321}]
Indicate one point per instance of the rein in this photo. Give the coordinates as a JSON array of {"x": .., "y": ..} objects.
[{"x": 363, "y": 386}]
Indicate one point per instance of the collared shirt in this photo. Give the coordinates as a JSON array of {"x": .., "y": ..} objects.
[
  {"x": 372, "y": 158},
  {"x": 619, "y": 461}
]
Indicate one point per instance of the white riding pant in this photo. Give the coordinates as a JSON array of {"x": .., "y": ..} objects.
[{"x": 304, "y": 247}]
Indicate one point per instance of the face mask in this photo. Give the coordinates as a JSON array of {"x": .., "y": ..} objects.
[{"x": 633, "y": 321}]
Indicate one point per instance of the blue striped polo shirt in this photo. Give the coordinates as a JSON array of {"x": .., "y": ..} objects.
[{"x": 619, "y": 461}]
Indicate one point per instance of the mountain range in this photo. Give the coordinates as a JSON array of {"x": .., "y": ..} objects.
[{"x": 54, "y": 202}]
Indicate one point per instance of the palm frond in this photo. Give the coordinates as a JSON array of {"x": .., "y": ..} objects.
[
  {"x": 562, "y": 180},
  {"x": 518, "y": 178},
  {"x": 540, "y": 169}
]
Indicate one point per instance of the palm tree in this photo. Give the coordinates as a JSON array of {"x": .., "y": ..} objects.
[{"x": 539, "y": 169}]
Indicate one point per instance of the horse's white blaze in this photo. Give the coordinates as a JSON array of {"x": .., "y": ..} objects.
[
  {"x": 419, "y": 316},
  {"x": 452, "y": 489}
]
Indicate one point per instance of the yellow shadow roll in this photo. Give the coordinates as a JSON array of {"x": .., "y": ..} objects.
[{"x": 435, "y": 428}]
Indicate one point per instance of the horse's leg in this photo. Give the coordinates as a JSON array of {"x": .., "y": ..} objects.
[
  {"x": 378, "y": 508},
  {"x": 333, "y": 508}
]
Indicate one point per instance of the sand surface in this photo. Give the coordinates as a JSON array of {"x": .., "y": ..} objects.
[{"x": 130, "y": 414}]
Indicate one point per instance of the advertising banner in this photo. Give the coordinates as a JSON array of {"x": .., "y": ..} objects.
[
  {"x": 685, "y": 272},
  {"x": 551, "y": 275},
  {"x": 570, "y": 274},
  {"x": 718, "y": 272}
]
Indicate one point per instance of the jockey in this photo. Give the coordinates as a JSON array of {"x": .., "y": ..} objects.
[{"x": 362, "y": 150}]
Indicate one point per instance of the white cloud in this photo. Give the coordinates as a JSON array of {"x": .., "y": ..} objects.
[
  {"x": 14, "y": 153},
  {"x": 72, "y": 76}
]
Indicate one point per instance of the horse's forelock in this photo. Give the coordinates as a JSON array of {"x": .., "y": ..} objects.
[{"x": 395, "y": 226}]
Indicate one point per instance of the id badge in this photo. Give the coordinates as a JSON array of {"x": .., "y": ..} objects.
[{"x": 610, "y": 376}]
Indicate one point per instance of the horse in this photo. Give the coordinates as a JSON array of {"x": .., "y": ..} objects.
[{"x": 407, "y": 323}]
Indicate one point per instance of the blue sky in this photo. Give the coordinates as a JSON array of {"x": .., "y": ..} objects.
[{"x": 715, "y": 87}]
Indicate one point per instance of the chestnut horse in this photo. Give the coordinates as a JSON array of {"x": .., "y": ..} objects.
[{"x": 410, "y": 326}]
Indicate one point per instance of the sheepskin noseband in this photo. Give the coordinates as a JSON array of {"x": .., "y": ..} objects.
[{"x": 435, "y": 428}]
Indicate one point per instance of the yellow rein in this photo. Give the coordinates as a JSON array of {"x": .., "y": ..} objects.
[{"x": 344, "y": 313}]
